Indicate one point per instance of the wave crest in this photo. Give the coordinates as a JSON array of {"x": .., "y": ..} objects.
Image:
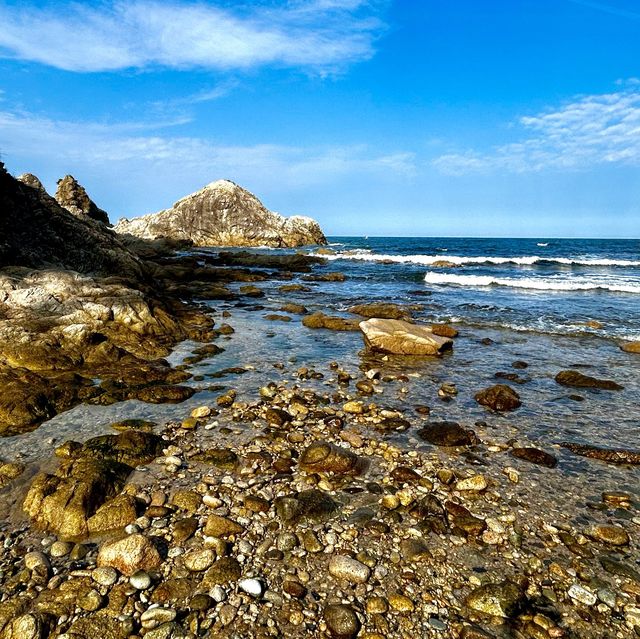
[{"x": 529, "y": 283}]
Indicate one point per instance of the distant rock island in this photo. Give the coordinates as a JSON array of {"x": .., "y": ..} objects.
[{"x": 224, "y": 214}]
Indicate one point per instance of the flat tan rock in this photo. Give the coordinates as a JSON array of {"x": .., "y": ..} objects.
[{"x": 398, "y": 337}]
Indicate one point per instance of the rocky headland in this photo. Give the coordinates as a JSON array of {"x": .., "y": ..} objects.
[{"x": 224, "y": 214}]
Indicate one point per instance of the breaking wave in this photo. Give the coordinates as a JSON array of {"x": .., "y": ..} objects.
[
  {"x": 461, "y": 260},
  {"x": 538, "y": 284}
]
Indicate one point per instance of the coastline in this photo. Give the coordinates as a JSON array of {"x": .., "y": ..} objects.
[{"x": 446, "y": 541}]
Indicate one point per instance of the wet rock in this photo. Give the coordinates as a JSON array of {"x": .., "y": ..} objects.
[
  {"x": 223, "y": 458},
  {"x": 620, "y": 568},
  {"x": 448, "y": 434},
  {"x": 499, "y": 398},
  {"x": 382, "y": 310},
  {"x": 130, "y": 447},
  {"x": 297, "y": 309},
  {"x": 134, "y": 424},
  {"x": 349, "y": 569},
  {"x": 9, "y": 472},
  {"x": 499, "y": 600},
  {"x": 535, "y": 456},
  {"x": 582, "y": 595},
  {"x": 326, "y": 457},
  {"x": 224, "y": 571},
  {"x": 342, "y": 621},
  {"x": 576, "y": 379},
  {"x": 277, "y": 416},
  {"x": 312, "y": 504},
  {"x": 612, "y": 535},
  {"x": 444, "y": 330},
  {"x": 611, "y": 455},
  {"x": 184, "y": 529},
  {"x": 162, "y": 394},
  {"x": 631, "y": 347},
  {"x": 113, "y": 514},
  {"x": 130, "y": 554},
  {"x": 320, "y": 320},
  {"x": 64, "y": 502},
  {"x": 398, "y": 337},
  {"x": 325, "y": 277},
  {"x": 475, "y": 483},
  {"x": 218, "y": 526}
]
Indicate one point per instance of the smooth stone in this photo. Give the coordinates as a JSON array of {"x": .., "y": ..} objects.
[
  {"x": 105, "y": 576},
  {"x": 36, "y": 559},
  {"x": 253, "y": 587},
  {"x": 218, "y": 526},
  {"x": 612, "y": 535},
  {"x": 60, "y": 548},
  {"x": 582, "y": 595},
  {"x": 475, "y": 483},
  {"x": 349, "y": 569},
  {"x": 140, "y": 580},
  {"x": 129, "y": 555},
  {"x": 199, "y": 560},
  {"x": 342, "y": 621}
]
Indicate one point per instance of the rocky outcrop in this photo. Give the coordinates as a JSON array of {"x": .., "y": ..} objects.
[
  {"x": 36, "y": 232},
  {"x": 224, "y": 214},
  {"x": 76, "y": 304},
  {"x": 73, "y": 197},
  {"x": 398, "y": 337}
]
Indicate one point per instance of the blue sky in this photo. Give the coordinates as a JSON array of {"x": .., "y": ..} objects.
[{"x": 378, "y": 117}]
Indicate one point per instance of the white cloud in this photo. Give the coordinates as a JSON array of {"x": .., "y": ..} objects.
[
  {"x": 323, "y": 35},
  {"x": 135, "y": 149},
  {"x": 589, "y": 130}
]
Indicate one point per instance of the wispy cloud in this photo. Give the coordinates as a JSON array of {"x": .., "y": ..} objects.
[
  {"x": 322, "y": 35},
  {"x": 589, "y": 130},
  {"x": 136, "y": 151},
  {"x": 608, "y": 8}
]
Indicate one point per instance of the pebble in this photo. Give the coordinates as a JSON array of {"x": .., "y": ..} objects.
[
  {"x": 349, "y": 569},
  {"x": 105, "y": 576},
  {"x": 140, "y": 580},
  {"x": 153, "y": 617},
  {"x": 199, "y": 560},
  {"x": 253, "y": 587},
  {"x": 342, "y": 622},
  {"x": 36, "y": 559},
  {"x": 582, "y": 595},
  {"x": 60, "y": 548},
  {"x": 474, "y": 483},
  {"x": 401, "y": 603},
  {"x": 612, "y": 535}
]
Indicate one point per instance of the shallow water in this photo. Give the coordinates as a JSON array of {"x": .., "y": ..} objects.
[{"x": 547, "y": 416}]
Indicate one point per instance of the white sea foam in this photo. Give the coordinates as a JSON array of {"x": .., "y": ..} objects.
[
  {"x": 538, "y": 284},
  {"x": 460, "y": 260}
]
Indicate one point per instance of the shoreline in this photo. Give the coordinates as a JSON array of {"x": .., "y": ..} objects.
[{"x": 467, "y": 542}]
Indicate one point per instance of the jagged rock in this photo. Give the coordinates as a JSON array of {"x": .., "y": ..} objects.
[
  {"x": 37, "y": 232},
  {"x": 224, "y": 214},
  {"x": 401, "y": 338},
  {"x": 576, "y": 379},
  {"x": 128, "y": 555},
  {"x": 73, "y": 197},
  {"x": 65, "y": 501},
  {"x": 499, "y": 398}
]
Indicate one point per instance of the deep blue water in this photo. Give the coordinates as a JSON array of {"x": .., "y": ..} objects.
[{"x": 545, "y": 285}]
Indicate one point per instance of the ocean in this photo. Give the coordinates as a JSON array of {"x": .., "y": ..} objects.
[{"x": 550, "y": 286}]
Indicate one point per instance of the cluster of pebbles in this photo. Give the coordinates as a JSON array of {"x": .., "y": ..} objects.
[{"x": 298, "y": 515}]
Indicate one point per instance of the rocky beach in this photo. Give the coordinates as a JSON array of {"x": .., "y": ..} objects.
[{"x": 240, "y": 442}]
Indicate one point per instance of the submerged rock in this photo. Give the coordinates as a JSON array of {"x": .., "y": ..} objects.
[
  {"x": 328, "y": 458},
  {"x": 224, "y": 214},
  {"x": 576, "y": 379},
  {"x": 611, "y": 455},
  {"x": 630, "y": 347},
  {"x": 448, "y": 434},
  {"x": 320, "y": 320},
  {"x": 398, "y": 337},
  {"x": 535, "y": 456},
  {"x": 383, "y": 310},
  {"x": 499, "y": 398}
]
